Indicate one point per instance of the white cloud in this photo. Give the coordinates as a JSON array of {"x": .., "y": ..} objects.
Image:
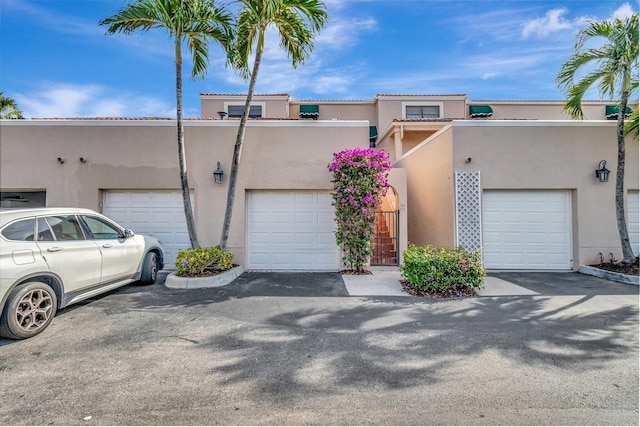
[
  {"x": 623, "y": 12},
  {"x": 552, "y": 22},
  {"x": 316, "y": 75},
  {"x": 340, "y": 32},
  {"x": 62, "y": 100}
]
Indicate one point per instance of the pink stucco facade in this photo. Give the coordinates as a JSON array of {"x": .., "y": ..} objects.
[{"x": 521, "y": 146}]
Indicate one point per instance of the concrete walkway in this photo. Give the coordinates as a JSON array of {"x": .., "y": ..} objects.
[{"x": 385, "y": 281}]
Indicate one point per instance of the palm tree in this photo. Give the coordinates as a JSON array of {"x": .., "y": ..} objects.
[
  {"x": 297, "y": 22},
  {"x": 614, "y": 67},
  {"x": 190, "y": 22},
  {"x": 632, "y": 125},
  {"x": 9, "y": 108}
]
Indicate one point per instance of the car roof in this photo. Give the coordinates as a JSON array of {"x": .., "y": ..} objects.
[{"x": 11, "y": 214}]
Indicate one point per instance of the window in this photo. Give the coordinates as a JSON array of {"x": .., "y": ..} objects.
[
  {"x": 20, "y": 230},
  {"x": 100, "y": 229},
  {"x": 65, "y": 227},
  {"x": 422, "y": 111},
  {"x": 44, "y": 232},
  {"x": 235, "y": 111}
]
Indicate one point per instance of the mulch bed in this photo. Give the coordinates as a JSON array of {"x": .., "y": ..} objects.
[
  {"x": 460, "y": 291},
  {"x": 630, "y": 269},
  {"x": 208, "y": 272}
]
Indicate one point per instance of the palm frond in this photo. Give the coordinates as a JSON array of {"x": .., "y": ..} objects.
[
  {"x": 610, "y": 66},
  {"x": 9, "y": 109},
  {"x": 631, "y": 126}
]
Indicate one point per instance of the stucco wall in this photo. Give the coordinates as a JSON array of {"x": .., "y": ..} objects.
[
  {"x": 274, "y": 106},
  {"x": 391, "y": 106},
  {"x": 543, "y": 110},
  {"x": 142, "y": 154},
  {"x": 340, "y": 111},
  {"x": 430, "y": 190},
  {"x": 553, "y": 155}
]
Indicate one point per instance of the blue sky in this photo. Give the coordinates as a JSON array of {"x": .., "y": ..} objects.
[{"x": 56, "y": 61}]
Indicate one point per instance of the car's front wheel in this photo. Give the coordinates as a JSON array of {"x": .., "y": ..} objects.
[
  {"x": 30, "y": 309},
  {"x": 149, "y": 269}
]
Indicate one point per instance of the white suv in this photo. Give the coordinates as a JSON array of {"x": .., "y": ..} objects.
[{"x": 53, "y": 257}]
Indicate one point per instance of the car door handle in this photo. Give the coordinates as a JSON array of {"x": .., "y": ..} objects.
[
  {"x": 54, "y": 249},
  {"x": 107, "y": 245}
]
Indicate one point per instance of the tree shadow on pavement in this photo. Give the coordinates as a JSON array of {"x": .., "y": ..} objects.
[{"x": 321, "y": 345}]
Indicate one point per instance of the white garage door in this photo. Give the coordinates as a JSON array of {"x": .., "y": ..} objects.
[
  {"x": 157, "y": 213},
  {"x": 529, "y": 230},
  {"x": 634, "y": 220},
  {"x": 291, "y": 230}
]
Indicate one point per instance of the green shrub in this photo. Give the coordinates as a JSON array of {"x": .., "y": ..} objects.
[
  {"x": 194, "y": 262},
  {"x": 439, "y": 269}
]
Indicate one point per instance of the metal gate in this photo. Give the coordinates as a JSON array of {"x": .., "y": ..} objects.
[{"x": 385, "y": 238}]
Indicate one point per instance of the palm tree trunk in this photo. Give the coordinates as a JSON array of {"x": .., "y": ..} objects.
[
  {"x": 237, "y": 152},
  {"x": 188, "y": 210},
  {"x": 627, "y": 251}
]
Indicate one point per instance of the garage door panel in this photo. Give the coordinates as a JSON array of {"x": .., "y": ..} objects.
[
  {"x": 512, "y": 218},
  {"x": 304, "y": 198},
  {"x": 326, "y": 238},
  {"x": 526, "y": 229},
  {"x": 280, "y": 217},
  {"x": 304, "y": 238},
  {"x": 296, "y": 229},
  {"x": 326, "y": 218},
  {"x": 158, "y": 213},
  {"x": 305, "y": 218}
]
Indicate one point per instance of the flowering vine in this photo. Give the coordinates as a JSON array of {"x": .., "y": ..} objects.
[{"x": 359, "y": 179}]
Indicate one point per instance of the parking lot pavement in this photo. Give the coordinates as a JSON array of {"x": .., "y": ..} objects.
[
  {"x": 550, "y": 283},
  {"x": 244, "y": 356}
]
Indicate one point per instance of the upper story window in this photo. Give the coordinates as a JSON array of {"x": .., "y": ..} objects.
[
  {"x": 235, "y": 111},
  {"x": 422, "y": 112}
]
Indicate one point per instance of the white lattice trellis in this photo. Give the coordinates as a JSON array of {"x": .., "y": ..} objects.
[{"x": 468, "y": 210}]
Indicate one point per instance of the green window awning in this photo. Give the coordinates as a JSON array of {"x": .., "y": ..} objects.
[
  {"x": 611, "y": 111},
  {"x": 310, "y": 111},
  {"x": 373, "y": 132},
  {"x": 480, "y": 111}
]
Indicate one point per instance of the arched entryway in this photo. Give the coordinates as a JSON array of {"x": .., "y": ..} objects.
[{"x": 385, "y": 238}]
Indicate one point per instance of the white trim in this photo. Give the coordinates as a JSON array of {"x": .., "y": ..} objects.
[
  {"x": 421, "y": 98},
  {"x": 425, "y": 142},
  {"x": 425, "y": 103},
  {"x": 189, "y": 123},
  {"x": 532, "y": 123},
  {"x": 240, "y": 97},
  {"x": 333, "y": 101}
]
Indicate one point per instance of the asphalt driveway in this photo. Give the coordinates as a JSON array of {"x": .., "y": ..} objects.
[{"x": 287, "y": 349}]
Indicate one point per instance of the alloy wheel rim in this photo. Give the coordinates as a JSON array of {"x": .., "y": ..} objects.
[{"x": 34, "y": 310}]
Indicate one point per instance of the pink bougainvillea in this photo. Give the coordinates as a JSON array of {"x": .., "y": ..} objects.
[{"x": 359, "y": 179}]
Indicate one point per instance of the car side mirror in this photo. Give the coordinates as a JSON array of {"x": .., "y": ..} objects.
[{"x": 127, "y": 233}]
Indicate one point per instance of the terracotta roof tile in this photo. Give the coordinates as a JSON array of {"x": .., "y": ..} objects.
[
  {"x": 426, "y": 120},
  {"x": 243, "y": 94},
  {"x": 102, "y": 118},
  {"x": 422, "y": 94}
]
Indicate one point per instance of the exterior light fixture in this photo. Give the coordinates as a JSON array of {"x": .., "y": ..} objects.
[
  {"x": 217, "y": 174},
  {"x": 602, "y": 173},
  {"x": 222, "y": 114}
]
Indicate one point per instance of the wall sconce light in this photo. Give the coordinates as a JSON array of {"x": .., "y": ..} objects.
[
  {"x": 222, "y": 114},
  {"x": 602, "y": 173},
  {"x": 217, "y": 174}
]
